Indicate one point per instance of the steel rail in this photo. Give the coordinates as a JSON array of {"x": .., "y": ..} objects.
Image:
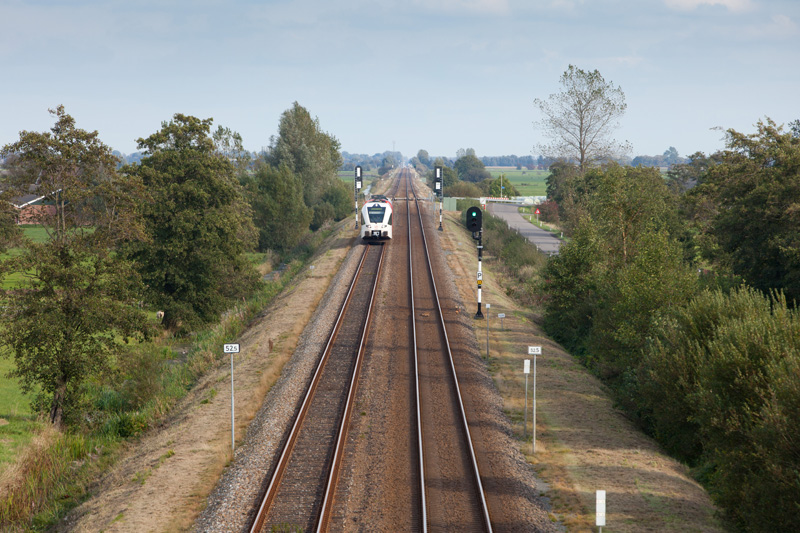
[
  {"x": 423, "y": 502},
  {"x": 465, "y": 425},
  {"x": 269, "y": 495},
  {"x": 327, "y": 502}
]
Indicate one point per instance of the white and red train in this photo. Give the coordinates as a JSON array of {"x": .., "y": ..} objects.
[{"x": 376, "y": 218}]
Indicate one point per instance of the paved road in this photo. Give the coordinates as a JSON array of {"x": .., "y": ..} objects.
[{"x": 541, "y": 238}]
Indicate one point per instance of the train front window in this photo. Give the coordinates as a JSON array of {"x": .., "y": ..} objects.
[{"x": 375, "y": 213}]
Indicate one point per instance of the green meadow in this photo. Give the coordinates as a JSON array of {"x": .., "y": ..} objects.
[
  {"x": 527, "y": 182},
  {"x": 36, "y": 234},
  {"x": 17, "y": 423},
  {"x": 367, "y": 176}
]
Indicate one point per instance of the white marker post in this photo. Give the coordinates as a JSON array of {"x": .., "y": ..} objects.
[
  {"x": 534, "y": 351},
  {"x": 600, "y": 512},
  {"x": 527, "y": 370},
  {"x": 488, "y": 306},
  {"x": 231, "y": 349},
  {"x": 501, "y": 316}
]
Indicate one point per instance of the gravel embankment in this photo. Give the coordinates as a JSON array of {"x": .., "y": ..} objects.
[{"x": 239, "y": 488}]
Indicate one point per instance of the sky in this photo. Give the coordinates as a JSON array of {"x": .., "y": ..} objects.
[{"x": 402, "y": 75}]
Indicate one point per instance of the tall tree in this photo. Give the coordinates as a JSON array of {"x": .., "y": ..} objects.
[
  {"x": 279, "y": 213},
  {"x": 310, "y": 153},
  {"x": 756, "y": 188},
  {"x": 229, "y": 144},
  {"x": 198, "y": 223},
  {"x": 424, "y": 157},
  {"x": 621, "y": 267},
  {"x": 470, "y": 168},
  {"x": 579, "y": 120},
  {"x": 74, "y": 303},
  {"x": 671, "y": 156},
  {"x": 388, "y": 164}
]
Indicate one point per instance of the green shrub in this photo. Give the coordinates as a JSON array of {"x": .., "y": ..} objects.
[
  {"x": 125, "y": 424},
  {"x": 323, "y": 213},
  {"x": 722, "y": 387}
]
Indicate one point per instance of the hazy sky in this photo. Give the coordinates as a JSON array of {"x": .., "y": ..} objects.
[{"x": 437, "y": 75}]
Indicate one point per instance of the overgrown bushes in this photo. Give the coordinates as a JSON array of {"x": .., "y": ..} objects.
[
  {"x": 720, "y": 385},
  {"x": 42, "y": 483},
  {"x": 713, "y": 373},
  {"x": 141, "y": 386}
]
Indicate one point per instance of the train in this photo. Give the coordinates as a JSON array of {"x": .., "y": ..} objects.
[{"x": 376, "y": 218}]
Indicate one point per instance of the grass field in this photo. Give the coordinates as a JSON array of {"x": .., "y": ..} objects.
[
  {"x": 17, "y": 423},
  {"x": 367, "y": 176},
  {"x": 35, "y": 233},
  {"x": 527, "y": 182}
]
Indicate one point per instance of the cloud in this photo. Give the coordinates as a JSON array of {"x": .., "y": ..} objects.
[
  {"x": 688, "y": 5},
  {"x": 782, "y": 25},
  {"x": 490, "y": 7},
  {"x": 779, "y": 27}
]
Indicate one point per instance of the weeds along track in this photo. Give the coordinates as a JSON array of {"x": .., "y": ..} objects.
[
  {"x": 451, "y": 494},
  {"x": 300, "y": 489}
]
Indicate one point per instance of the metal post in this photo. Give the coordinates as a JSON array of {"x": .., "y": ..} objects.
[
  {"x": 534, "y": 403},
  {"x": 487, "y": 330},
  {"x": 355, "y": 197},
  {"x": 233, "y": 442},
  {"x": 356, "y": 188},
  {"x": 231, "y": 348},
  {"x": 525, "y": 427},
  {"x": 479, "y": 314},
  {"x": 441, "y": 208}
]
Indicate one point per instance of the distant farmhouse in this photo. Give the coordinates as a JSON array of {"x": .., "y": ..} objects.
[{"x": 32, "y": 208}]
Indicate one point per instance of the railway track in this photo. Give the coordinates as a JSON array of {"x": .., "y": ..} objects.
[
  {"x": 451, "y": 492},
  {"x": 446, "y": 486},
  {"x": 300, "y": 489}
]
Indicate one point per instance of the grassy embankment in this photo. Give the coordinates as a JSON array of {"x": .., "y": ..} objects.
[{"x": 44, "y": 473}]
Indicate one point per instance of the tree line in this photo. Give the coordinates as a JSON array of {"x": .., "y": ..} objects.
[
  {"x": 681, "y": 292},
  {"x": 465, "y": 177},
  {"x": 170, "y": 232}
]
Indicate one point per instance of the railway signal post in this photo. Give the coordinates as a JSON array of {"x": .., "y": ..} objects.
[
  {"x": 475, "y": 225},
  {"x": 357, "y": 187},
  {"x": 439, "y": 192}
]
